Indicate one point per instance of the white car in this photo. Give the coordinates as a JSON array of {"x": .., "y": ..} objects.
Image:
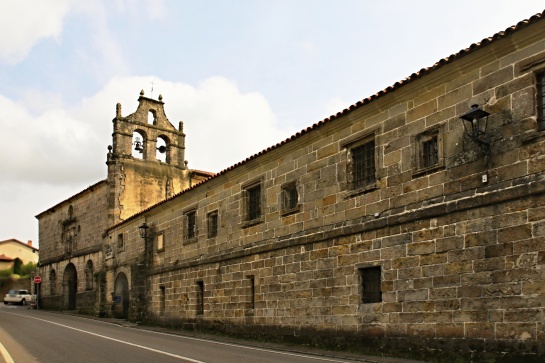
[{"x": 17, "y": 297}]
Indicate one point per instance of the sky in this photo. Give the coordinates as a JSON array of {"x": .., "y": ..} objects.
[{"x": 243, "y": 75}]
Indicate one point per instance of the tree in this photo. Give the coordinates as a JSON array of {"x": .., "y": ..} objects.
[{"x": 17, "y": 263}]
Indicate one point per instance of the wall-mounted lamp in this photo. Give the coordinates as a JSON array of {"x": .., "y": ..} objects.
[
  {"x": 475, "y": 124},
  {"x": 143, "y": 230}
]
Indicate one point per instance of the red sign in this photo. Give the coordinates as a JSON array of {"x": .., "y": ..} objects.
[{"x": 37, "y": 279}]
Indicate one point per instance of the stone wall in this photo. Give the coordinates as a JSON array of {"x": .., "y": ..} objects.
[{"x": 459, "y": 244}]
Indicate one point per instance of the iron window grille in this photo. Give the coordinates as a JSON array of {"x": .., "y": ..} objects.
[
  {"x": 370, "y": 285},
  {"x": 363, "y": 159},
  {"x": 200, "y": 297},
  {"x": 430, "y": 152},
  {"x": 254, "y": 202},
  {"x": 120, "y": 242},
  {"x": 191, "y": 225},
  {"x": 212, "y": 224}
]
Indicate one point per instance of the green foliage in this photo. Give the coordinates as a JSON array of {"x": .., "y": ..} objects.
[
  {"x": 6, "y": 273},
  {"x": 17, "y": 263},
  {"x": 23, "y": 270},
  {"x": 27, "y": 269}
]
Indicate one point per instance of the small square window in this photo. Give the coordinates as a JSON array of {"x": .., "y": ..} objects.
[
  {"x": 363, "y": 165},
  {"x": 212, "y": 224},
  {"x": 190, "y": 225},
  {"x": 428, "y": 150},
  {"x": 120, "y": 242},
  {"x": 430, "y": 154},
  {"x": 370, "y": 278},
  {"x": 251, "y": 292},
  {"x": 541, "y": 101},
  {"x": 254, "y": 202},
  {"x": 200, "y": 297},
  {"x": 290, "y": 197}
]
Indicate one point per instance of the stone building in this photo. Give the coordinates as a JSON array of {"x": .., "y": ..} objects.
[
  {"x": 395, "y": 224},
  {"x": 71, "y": 233}
]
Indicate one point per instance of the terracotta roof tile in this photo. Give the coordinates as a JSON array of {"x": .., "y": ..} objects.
[{"x": 424, "y": 71}]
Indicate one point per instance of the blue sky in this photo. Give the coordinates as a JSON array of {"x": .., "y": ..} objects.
[{"x": 242, "y": 75}]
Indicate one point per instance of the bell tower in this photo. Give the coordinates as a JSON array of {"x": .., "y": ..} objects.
[{"x": 146, "y": 162}]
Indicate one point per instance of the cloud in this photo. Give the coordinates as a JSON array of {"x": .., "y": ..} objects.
[
  {"x": 68, "y": 145},
  {"x": 223, "y": 125},
  {"x": 18, "y": 33}
]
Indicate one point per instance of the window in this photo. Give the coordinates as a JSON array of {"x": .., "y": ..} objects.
[
  {"x": 370, "y": 278},
  {"x": 290, "y": 197},
  {"x": 212, "y": 224},
  {"x": 200, "y": 297},
  {"x": 252, "y": 203},
  {"x": 430, "y": 154},
  {"x": 120, "y": 242},
  {"x": 251, "y": 300},
  {"x": 191, "y": 225},
  {"x": 428, "y": 151},
  {"x": 363, "y": 165},
  {"x": 162, "y": 301},
  {"x": 160, "y": 242},
  {"x": 541, "y": 101}
]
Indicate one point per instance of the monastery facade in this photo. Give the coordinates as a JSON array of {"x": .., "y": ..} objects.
[{"x": 395, "y": 224}]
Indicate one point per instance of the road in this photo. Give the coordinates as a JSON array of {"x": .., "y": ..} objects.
[{"x": 41, "y": 336}]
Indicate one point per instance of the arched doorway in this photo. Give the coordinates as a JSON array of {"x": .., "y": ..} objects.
[
  {"x": 121, "y": 296},
  {"x": 70, "y": 286}
]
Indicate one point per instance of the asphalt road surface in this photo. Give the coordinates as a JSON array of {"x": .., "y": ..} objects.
[{"x": 41, "y": 336}]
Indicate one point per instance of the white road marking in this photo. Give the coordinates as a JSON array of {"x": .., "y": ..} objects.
[
  {"x": 325, "y": 359},
  {"x": 113, "y": 339},
  {"x": 5, "y": 354}
]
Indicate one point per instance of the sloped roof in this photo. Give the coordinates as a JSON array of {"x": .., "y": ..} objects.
[
  {"x": 90, "y": 188},
  {"x": 19, "y": 242},
  {"x": 5, "y": 258},
  {"x": 413, "y": 77}
]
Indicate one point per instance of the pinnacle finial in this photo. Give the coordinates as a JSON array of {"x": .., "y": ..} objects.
[
  {"x": 142, "y": 93},
  {"x": 160, "y": 97}
]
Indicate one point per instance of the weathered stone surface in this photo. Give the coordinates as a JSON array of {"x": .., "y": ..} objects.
[{"x": 459, "y": 245}]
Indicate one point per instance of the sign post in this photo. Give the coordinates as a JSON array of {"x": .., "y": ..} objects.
[{"x": 37, "y": 281}]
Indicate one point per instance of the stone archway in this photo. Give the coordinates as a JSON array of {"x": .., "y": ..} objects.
[
  {"x": 121, "y": 296},
  {"x": 70, "y": 286}
]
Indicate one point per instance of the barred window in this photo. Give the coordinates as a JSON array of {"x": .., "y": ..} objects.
[
  {"x": 430, "y": 153},
  {"x": 200, "y": 297},
  {"x": 290, "y": 197},
  {"x": 191, "y": 224},
  {"x": 254, "y": 202},
  {"x": 212, "y": 221},
  {"x": 370, "y": 285},
  {"x": 251, "y": 302},
  {"x": 120, "y": 242},
  {"x": 541, "y": 101},
  {"x": 363, "y": 161}
]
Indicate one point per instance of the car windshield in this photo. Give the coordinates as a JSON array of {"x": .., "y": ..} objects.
[{"x": 12, "y": 292}]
